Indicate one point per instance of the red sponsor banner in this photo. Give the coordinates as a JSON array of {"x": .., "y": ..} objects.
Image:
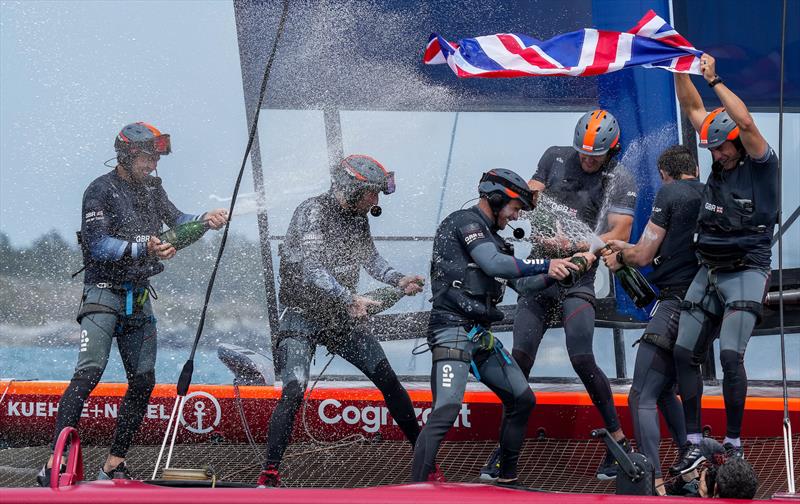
[{"x": 29, "y": 409}]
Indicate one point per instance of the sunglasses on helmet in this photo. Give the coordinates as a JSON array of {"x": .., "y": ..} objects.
[
  {"x": 389, "y": 186},
  {"x": 162, "y": 145}
]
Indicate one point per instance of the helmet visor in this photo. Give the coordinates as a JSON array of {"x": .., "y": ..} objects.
[
  {"x": 162, "y": 145},
  {"x": 389, "y": 186}
]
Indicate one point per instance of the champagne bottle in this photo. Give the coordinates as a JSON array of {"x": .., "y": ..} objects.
[
  {"x": 386, "y": 296},
  {"x": 636, "y": 286},
  {"x": 184, "y": 234},
  {"x": 574, "y": 276}
]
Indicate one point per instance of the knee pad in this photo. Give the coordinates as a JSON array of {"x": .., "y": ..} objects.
[
  {"x": 686, "y": 358},
  {"x": 731, "y": 362},
  {"x": 583, "y": 364},
  {"x": 523, "y": 360},
  {"x": 293, "y": 391},
  {"x": 753, "y": 307},
  {"x": 444, "y": 414},
  {"x": 86, "y": 379},
  {"x": 525, "y": 401},
  {"x": 143, "y": 383},
  {"x": 583, "y": 296},
  {"x": 633, "y": 400},
  {"x": 384, "y": 376}
]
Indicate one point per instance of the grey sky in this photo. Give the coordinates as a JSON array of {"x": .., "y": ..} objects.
[{"x": 73, "y": 73}]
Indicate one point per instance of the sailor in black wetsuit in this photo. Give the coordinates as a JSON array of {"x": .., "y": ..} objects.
[
  {"x": 327, "y": 244},
  {"x": 664, "y": 244},
  {"x": 584, "y": 178},
  {"x": 123, "y": 214},
  {"x": 470, "y": 265},
  {"x": 738, "y": 214}
]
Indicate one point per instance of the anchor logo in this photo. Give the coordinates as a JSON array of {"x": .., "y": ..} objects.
[{"x": 202, "y": 423}]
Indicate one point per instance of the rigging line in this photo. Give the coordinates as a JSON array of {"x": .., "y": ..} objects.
[
  {"x": 447, "y": 169},
  {"x": 185, "y": 378},
  {"x": 787, "y": 426},
  {"x": 253, "y": 129}
]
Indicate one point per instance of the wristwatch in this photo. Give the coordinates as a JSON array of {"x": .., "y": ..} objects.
[{"x": 716, "y": 80}]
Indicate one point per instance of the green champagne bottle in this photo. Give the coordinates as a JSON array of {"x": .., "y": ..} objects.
[
  {"x": 636, "y": 286},
  {"x": 387, "y": 297},
  {"x": 185, "y": 234},
  {"x": 574, "y": 276}
]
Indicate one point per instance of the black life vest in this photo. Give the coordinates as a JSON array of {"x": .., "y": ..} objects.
[
  {"x": 736, "y": 215},
  {"x": 460, "y": 286}
]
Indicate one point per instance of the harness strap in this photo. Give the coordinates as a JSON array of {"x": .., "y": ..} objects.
[
  {"x": 128, "y": 298},
  {"x": 659, "y": 340},
  {"x": 444, "y": 353},
  {"x": 753, "y": 307},
  {"x": 89, "y": 308},
  {"x": 691, "y": 306},
  {"x": 474, "y": 368}
]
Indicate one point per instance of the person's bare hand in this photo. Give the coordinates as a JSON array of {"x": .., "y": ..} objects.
[
  {"x": 588, "y": 256},
  {"x": 216, "y": 218},
  {"x": 708, "y": 67},
  {"x": 559, "y": 268},
  {"x": 412, "y": 284},
  {"x": 611, "y": 262},
  {"x": 358, "y": 308},
  {"x": 162, "y": 250}
]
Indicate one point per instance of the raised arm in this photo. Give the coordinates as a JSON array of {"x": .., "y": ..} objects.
[
  {"x": 690, "y": 100},
  {"x": 752, "y": 140}
]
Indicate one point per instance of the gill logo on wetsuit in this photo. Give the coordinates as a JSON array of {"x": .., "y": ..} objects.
[
  {"x": 538, "y": 262},
  {"x": 447, "y": 375}
]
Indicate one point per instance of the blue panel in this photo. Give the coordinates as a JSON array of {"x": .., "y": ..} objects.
[
  {"x": 745, "y": 36},
  {"x": 643, "y": 101}
]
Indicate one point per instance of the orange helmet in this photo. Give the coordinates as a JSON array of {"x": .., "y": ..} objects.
[
  {"x": 141, "y": 137},
  {"x": 717, "y": 128},
  {"x": 596, "y": 133}
]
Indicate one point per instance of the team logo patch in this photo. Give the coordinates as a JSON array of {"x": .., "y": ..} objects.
[{"x": 471, "y": 233}]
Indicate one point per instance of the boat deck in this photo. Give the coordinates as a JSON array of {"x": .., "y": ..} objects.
[{"x": 545, "y": 464}]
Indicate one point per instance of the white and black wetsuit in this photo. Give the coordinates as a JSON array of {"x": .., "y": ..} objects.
[
  {"x": 675, "y": 210},
  {"x": 325, "y": 248},
  {"x": 469, "y": 266},
  {"x": 737, "y": 217},
  {"x": 583, "y": 195},
  {"x": 118, "y": 219}
]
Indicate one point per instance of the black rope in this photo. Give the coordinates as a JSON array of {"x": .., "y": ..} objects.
[
  {"x": 186, "y": 374},
  {"x": 786, "y": 421},
  {"x": 780, "y": 225}
]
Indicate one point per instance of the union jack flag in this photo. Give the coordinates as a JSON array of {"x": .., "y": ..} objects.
[{"x": 652, "y": 43}]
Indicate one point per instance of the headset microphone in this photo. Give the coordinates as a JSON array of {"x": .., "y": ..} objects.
[
  {"x": 376, "y": 211},
  {"x": 519, "y": 233}
]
